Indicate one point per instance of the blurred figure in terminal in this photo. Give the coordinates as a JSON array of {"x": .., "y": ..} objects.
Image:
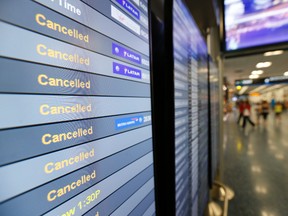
[
  {"x": 265, "y": 111},
  {"x": 246, "y": 114},
  {"x": 241, "y": 109},
  {"x": 273, "y": 102},
  {"x": 258, "y": 110},
  {"x": 286, "y": 105},
  {"x": 278, "y": 110}
]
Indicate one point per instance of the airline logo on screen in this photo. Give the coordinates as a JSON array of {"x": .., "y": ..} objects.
[
  {"x": 126, "y": 71},
  {"x": 130, "y": 8},
  {"x": 123, "y": 123},
  {"x": 125, "y": 53}
]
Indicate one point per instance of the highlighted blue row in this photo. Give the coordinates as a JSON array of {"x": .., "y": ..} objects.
[
  {"x": 125, "y": 53},
  {"x": 124, "y": 123},
  {"x": 126, "y": 71}
]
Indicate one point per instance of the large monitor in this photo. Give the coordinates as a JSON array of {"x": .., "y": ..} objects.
[
  {"x": 203, "y": 144},
  {"x": 75, "y": 111},
  {"x": 214, "y": 106},
  {"x": 182, "y": 68},
  {"x": 191, "y": 134},
  {"x": 254, "y": 23}
]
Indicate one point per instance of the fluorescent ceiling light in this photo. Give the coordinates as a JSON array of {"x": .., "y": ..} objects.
[
  {"x": 285, "y": 73},
  {"x": 257, "y": 72},
  {"x": 263, "y": 64},
  {"x": 254, "y": 76},
  {"x": 273, "y": 53}
]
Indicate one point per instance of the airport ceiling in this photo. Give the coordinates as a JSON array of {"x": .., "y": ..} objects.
[{"x": 241, "y": 67}]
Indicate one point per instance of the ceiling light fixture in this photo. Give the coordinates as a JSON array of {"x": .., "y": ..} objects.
[
  {"x": 263, "y": 64},
  {"x": 254, "y": 76},
  {"x": 285, "y": 73},
  {"x": 273, "y": 53},
  {"x": 257, "y": 72}
]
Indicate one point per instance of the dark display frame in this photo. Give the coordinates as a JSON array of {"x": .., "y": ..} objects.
[{"x": 163, "y": 107}]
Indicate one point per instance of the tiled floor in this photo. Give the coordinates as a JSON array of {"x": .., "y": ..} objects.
[{"x": 256, "y": 167}]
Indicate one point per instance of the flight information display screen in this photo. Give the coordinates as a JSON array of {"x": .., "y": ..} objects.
[
  {"x": 188, "y": 82},
  {"x": 214, "y": 116},
  {"x": 203, "y": 193},
  {"x": 191, "y": 100},
  {"x": 75, "y": 111},
  {"x": 194, "y": 120},
  {"x": 181, "y": 43}
]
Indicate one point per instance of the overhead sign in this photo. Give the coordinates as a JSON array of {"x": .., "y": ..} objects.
[{"x": 262, "y": 81}]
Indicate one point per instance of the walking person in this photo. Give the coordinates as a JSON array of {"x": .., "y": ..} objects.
[
  {"x": 278, "y": 110},
  {"x": 240, "y": 108},
  {"x": 265, "y": 111},
  {"x": 285, "y": 105},
  {"x": 258, "y": 110},
  {"x": 273, "y": 103},
  {"x": 246, "y": 114}
]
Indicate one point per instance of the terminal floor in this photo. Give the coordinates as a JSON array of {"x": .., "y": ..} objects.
[{"x": 255, "y": 165}]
